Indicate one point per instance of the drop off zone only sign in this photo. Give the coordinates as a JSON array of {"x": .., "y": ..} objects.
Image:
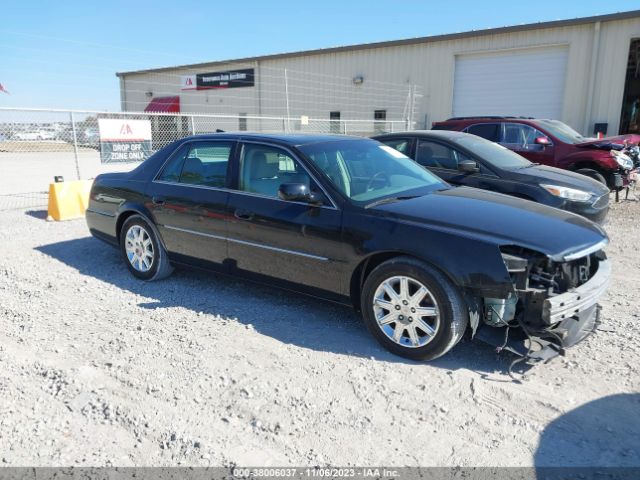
[{"x": 123, "y": 140}]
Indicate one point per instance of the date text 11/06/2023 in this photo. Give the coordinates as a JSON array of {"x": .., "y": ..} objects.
[{"x": 322, "y": 472}]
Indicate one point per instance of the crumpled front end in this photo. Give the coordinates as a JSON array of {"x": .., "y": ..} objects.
[{"x": 553, "y": 305}]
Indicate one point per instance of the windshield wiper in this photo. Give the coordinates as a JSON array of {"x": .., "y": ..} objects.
[{"x": 382, "y": 201}]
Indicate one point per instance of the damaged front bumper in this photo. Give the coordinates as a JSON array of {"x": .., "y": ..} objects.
[
  {"x": 534, "y": 348},
  {"x": 575, "y": 301},
  {"x": 551, "y": 324}
]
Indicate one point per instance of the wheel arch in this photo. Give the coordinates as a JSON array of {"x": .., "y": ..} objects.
[
  {"x": 590, "y": 164},
  {"x": 122, "y": 217},
  {"x": 127, "y": 210},
  {"x": 368, "y": 264}
]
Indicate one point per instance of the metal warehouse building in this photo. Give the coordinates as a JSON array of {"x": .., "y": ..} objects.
[{"x": 583, "y": 71}]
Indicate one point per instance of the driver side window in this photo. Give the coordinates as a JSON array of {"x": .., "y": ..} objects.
[
  {"x": 515, "y": 134},
  {"x": 530, "y": 140},
  {"x": 436, "y": 155},
  {"x": 403, "y": 145},
  {"x": 520, "y": 136},
  {"x": 264, "y": 168}
]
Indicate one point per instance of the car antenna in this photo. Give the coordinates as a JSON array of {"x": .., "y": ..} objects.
[{"x": 218, "y": 130}]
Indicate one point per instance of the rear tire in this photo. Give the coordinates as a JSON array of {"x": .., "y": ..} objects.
[
  {"x": 412, "y": 309},
  {"x": 142, "y": 250},
  {"x": 589, "y": 172}
]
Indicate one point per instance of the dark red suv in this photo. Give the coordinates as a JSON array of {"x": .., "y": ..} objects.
[{"x": 553, "y": 143}]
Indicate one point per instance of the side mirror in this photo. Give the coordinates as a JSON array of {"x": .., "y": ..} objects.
[
  {"x": 544, "y": 141},
  {"x": 468, "y": 166},
  {"x": 298, "y": 192}
]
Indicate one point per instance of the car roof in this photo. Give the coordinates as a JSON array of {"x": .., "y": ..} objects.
[
  {"x": 293, "y": 139},
  {"x": 493, "y": 119},
  {"x": 490, "y": 117},
  {"x": 442, "y": 134}
]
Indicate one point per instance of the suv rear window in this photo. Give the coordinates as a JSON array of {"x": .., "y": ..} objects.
[{"x": 490, "y": 131}]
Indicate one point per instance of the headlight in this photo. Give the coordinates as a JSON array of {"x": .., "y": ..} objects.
[
  {"x": 623, "y": 159},
  {"x": 568, "y": 193}
]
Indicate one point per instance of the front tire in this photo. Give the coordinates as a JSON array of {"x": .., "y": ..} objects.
[
  {"x": 142, "y": 251},
  {"x": 412, "y": 309}
]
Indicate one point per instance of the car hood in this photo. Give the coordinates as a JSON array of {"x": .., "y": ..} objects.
[
  {"x": 610, "y": 143},
  {"x": 500, "y": 219},
  {"x": 541, "y": 174}
]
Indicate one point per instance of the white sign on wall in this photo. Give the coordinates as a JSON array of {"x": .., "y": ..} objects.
[{"x": 188, "y": 82}]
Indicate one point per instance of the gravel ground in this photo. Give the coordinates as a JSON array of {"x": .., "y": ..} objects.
[{"x": 97, "y": 368}]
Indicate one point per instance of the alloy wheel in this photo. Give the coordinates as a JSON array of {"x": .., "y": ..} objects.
[
  {"x": 406, "y": 311},
  {"x": 139, "y": 248}
]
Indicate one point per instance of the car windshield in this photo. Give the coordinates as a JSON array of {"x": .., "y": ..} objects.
[
  {"x": 367, "y": 171},
  {"x": 492, "y": 153},
  {"x": 561, "y": 131}
]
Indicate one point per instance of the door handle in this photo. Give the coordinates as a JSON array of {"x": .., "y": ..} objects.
[
  {"x": 243, "y": 214},
  {"x": 157, "y": 201}
]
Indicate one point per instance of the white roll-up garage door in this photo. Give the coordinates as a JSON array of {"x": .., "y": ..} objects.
[{"x": 525, "y": 82}]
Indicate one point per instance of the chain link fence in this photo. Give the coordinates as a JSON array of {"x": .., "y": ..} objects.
[{"x": 38, "y": 144}]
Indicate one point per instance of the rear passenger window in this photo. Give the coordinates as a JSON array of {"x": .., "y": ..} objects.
[
  {"x": 206, "y": 164},
  {"x": 201, "y": 163},
  {"x": 490, "y": 131},
  {"x": 172, "y": 170}
]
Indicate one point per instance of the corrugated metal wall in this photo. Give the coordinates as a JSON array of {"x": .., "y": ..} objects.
[{"x": 320, "y": 83}]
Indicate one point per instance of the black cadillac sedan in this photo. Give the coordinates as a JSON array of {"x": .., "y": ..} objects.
[
  {"x": 465, "y": 159},
  {"x": 355, "y": 221}
]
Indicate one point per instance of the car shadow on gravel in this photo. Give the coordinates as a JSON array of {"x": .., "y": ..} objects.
[
  {"x": 287, "y": 317},
  {"x": 602, "y": 433}
]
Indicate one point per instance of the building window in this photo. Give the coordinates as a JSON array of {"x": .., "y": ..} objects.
[
  {"x": 379, "y": 121},
  {"x": 242, "y": 122},
  {"x": 334, "y": 122}
]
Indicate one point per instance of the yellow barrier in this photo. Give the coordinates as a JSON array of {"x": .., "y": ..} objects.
[{"x": 68, "y": 200}]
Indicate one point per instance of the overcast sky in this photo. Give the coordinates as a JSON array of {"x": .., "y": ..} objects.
[{"x": 65, "y": 54}]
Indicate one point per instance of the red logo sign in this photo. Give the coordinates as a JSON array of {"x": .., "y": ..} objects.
[{"x": 125, "y": 129}]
